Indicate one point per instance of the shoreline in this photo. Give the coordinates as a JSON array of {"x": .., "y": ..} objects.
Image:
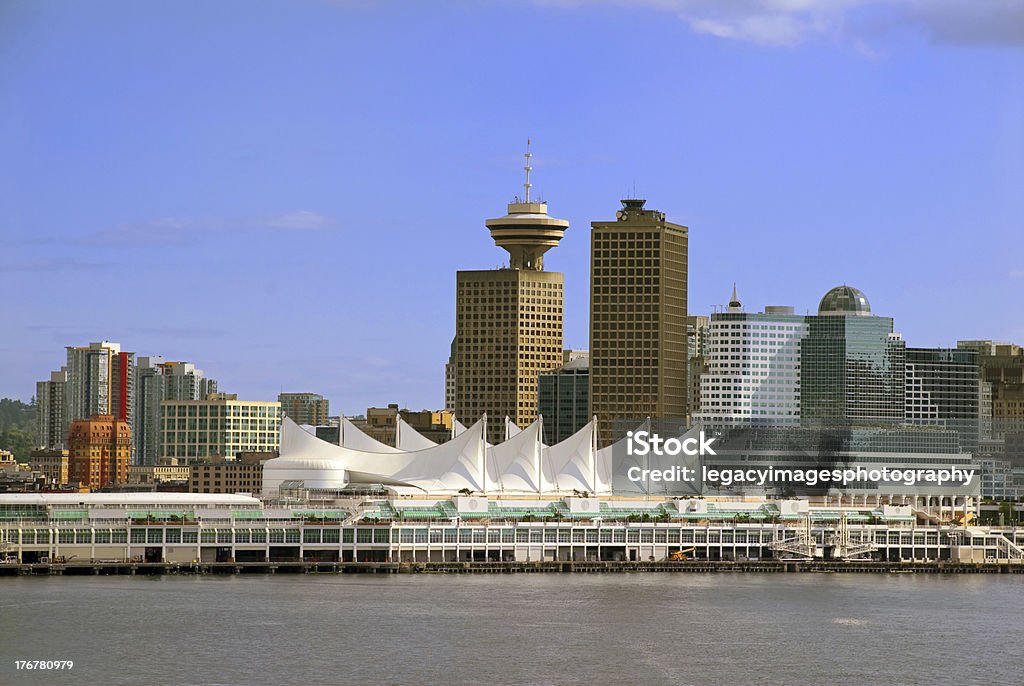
[{"x": 555, "y": 567}]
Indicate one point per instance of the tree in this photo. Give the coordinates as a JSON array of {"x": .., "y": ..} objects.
[
  {"x": 15, "y": 414},
  {"x": 18, "y": 442}
]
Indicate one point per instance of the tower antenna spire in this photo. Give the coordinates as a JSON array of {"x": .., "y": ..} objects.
[
  {"x": 528, "y": 169},
  {"x": 734, "y": 304},
  {"x": 527, "y": 231}
]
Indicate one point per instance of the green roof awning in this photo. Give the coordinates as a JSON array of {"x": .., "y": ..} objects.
[
  {"x": 248, "y": 514},
  {"x": 69, "y": 514},
  {"x": 160, "y": 514}
]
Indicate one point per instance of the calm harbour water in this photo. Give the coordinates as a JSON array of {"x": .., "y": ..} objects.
[{"x": 522, "y": 629}]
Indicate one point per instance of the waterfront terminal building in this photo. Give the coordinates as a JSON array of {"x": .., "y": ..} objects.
[
  {"x": 190, "y": 528},
  {"x": 465, "y": 500}
]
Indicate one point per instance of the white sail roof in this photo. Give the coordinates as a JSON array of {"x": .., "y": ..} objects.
[
  {"x": 603, "y": 465},
  {"x": 569, "y": 466},
  {"x": 409, "y": 439},
  {"x": 459, "y": 427},
  {"x": 354, "y": 437},
  {"x": 521, "y": 465},
  {"x": 514, "y": 466},
  {"x": 445, "y": 468},
  {"x": 510, "y": 428}
]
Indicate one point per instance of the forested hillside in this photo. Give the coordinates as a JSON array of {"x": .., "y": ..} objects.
[{"x": 17, "y": 427}]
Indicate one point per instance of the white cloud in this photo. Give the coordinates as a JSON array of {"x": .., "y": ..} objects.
[
  {"x": 301, "y": 220},
  {"x": 51, "y": 264},
  {"x": 790, "y": 22},
  {"x": 180, "y": 230}
]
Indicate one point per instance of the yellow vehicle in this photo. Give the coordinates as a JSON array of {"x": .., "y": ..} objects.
[{"x": 680, "y": 555}]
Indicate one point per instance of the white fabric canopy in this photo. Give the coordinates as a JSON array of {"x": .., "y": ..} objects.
[
  {"x": 520, "y": 465},
  {"x": 354, "y": 437},
  {"x": 603, "y": 463},
  {"x": 459, "y": 427},
  {"x": 445, "y": 468},
  {"x": 514, "y": 466},
  {"x": 409, "y": 439},
  {"x": 510, "y": 428},
  {"x": 569, "y": 466}
]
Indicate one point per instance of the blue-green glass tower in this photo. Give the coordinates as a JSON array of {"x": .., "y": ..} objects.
[{"x": 852, "y": 364}]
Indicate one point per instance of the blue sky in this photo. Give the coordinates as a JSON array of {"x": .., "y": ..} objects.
[{"x": 282, "y": 192}]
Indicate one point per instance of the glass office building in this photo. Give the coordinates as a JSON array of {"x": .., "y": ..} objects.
[
  {"x": 563, "y": 400},
  {"x": 943, "y": 389},
  {"x": 852, "y": 364}
]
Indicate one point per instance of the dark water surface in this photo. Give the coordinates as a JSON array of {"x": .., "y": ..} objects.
[{"x": 519, "y": 629}]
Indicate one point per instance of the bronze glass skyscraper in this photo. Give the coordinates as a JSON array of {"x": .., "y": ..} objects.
[
  {"x": 508, "y": 321},
  {"x": 638, "y": 343}
]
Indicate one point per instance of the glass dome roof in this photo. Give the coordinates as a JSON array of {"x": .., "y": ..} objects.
[{"x": 845, "y": 300}]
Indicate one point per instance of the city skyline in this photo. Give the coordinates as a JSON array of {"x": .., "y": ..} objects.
[
  {"x": 592, "y": 299},
  {"x": 253, "y": 213}
]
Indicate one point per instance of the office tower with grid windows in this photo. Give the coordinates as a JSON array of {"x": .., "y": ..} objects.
[
  {"x": 562, "y": 398},
  {"x": 697, "y": 331},
  {"x": 51, "y": 430},
  {"x": 638, "y": 326},
  {"x": 1002, "y": 379},
  {"x": 449, "y": 378},
  {"x": 157, "y": 380},
  {"x": 305, "y": 408},
  {"x": 752, "y": 375},
  {"x": 508, "y": 321},
  {"x": 1001, "y": 417},
  {"x": 220, "y": 425},
  {"x": 942, "y": 389}
]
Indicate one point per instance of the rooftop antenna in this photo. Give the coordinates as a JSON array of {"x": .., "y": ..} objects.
[{"x": 528, "y": 169}]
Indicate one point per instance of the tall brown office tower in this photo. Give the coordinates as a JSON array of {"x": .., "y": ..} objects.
[
  {"x": 638, "y": 344},
  {"x": 508, "y": 321}
]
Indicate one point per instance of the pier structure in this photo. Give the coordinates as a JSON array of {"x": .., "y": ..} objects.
[{"x": 190, "y": 531}]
